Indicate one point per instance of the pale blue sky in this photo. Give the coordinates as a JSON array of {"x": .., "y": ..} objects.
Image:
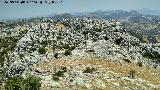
[{"x": 30, "y": 10}]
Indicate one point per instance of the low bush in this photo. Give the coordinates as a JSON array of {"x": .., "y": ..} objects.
[
  {"x": 14, "y": 83},
  {"x": 21, "y": 55},
  {"x": 32, "y": 83},
  {"x": 19, "y": 83},
  {"x": 89, "y": 70},
  {"x": 139, "y": 64},
  {"x": 67, "y": 52},
  {"x": 127, "y": 60},
  {"x": 59, "y": 73},
  {"x": 42, "y": 50},
  {"x": 132, "y": 73},
  {"x": 44, "y": 43},
  {"x": 152, "y": 55},
  {"x": 56, "y": 55},
  {"x": 118, "y": 41},
  {"x": 55, "y": 78},
  {"x": 106, "y": 38},
  {"x": 24, "y": 32},
  {"x": 69, "y": 47},
  {"x": 2, "y": 59},
  {"x": 98, "y": 30}
]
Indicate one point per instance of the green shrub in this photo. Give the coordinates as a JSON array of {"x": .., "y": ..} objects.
[
  {"x": 148, "y": 55},
  {"x": 156, "y": 55},
  {"x": 94, "y": 39},
  {"x": 132, "y": 73},
  {"x": 14, "y": 83},
  {"x": 89, "y": 70},
  {"x": 24, "y": 32},
  {"x": 12, "y": 46},
  {"x": 85, "y": 32},
  {"x": 42, "y": 50},
  {"x": 19, "y": 83},
  {"x": 118, "y": 41},
  {"x": 90, "y": 50},
  {"x": 2, "y": 59},
  {"x": 56, "y": 55},
  {"x": 67, "y": 52},
  {"x": 32, "y": 83},
  {"x": 4, "y": 51},
  {"x": 67, "y": 46},
  {"x": 33, "y": 49},
  {"x": 139, "y": 64},
  {"x": 55, "y": 78},
  {"x": 98, "y": 30},
  {"x": 106, "y": 38},
  {"x": 44, "y": 43},
  {"x": 72, "y": 47},
  {"x": 59, "y": 73},
  {"x": 21, "y": 55},
  {"x": 153, "y": 55},
  {"x": 5, "y": 45},
  {"x": 127, "y": 60}
]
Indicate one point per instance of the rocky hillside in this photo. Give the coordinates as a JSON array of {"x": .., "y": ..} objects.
[
  {"x": 57, "y": 51},
  {"x": 141, "y": 25}
]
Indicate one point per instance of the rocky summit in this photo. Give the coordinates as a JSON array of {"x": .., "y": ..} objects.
[{"x": 78, "y": 54}]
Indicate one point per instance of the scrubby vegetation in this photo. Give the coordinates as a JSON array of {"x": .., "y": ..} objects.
[
  {"x": 14, "y": 83},
  {"x": 69, "y": 47},
  {"x": 127, "y": 60},
  {"x": 128, "y": 71},
  {"x": 98, "y": 30},
  {"x": 55, "y": 78},
  {"x": 59, "y": 73},
  {"x": 153, "y": 55},
  {"x": 67, "y": 52},
  {"x": 118, "y": 41},
  {"x": 106, "y": 38},
  {"x": 7, "y": 44},
  {"x": 24, "y": 32},
  {"x": 132, "y": 73},
  {"x": 89, "y": 70},
  {"x": 21, "y": 55},
  {"x": 46, "y": 42},
  {"x": 42, "y": 50},
  {"x": 32, "y": 83},
  {"x": 53, "y": 40},
  {"x": 140, "y": 64},
  {"x": 19, "y": 83},
  {"x": 56, "y": 55}
]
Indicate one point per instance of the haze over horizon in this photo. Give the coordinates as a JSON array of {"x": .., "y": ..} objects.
[{"x": 12, "y": 11}]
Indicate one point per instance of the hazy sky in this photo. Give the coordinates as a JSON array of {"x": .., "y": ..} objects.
[{"x": 30, "y": 10}]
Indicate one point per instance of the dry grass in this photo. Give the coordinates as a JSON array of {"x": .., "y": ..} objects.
[{"x": 145, "y": 73}]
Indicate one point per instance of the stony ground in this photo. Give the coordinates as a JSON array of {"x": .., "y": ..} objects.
[
  {"x": 68, "y": 54},
  {"x": 101, "y": 75}
]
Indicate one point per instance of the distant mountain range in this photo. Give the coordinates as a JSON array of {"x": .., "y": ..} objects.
[
  {"x": 149, "y": 11},
  {"x": 109, "y": 14}
]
